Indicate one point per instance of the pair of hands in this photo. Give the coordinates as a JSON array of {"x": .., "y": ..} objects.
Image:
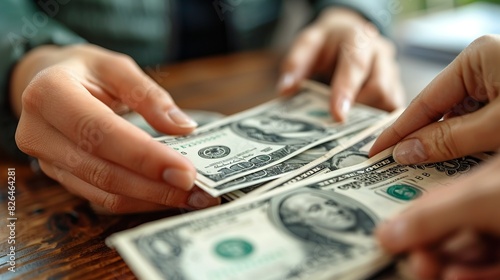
[
  {"x": 68, "y": 99},
  {"x": 452, "y": 233}
]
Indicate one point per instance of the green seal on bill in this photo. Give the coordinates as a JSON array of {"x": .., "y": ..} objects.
[
  {"x": 233, "y": 248},
  {"x": 404, "y": 192}
]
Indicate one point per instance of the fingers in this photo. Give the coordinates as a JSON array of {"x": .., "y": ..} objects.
[
  {"x": 382, "y": 88},
  {"x": 137, "y": 90},
  {"x": 113, "y": 203},
  {"x": 300, "y": 60},
  {"x": 353, "y": 67},
  {"x": 470, "y": 204},
  {"x": 467, "y": 80},
  {"x": 433, "y": 102},
  {"x": 121, "y": 204},
  {"x": 451, "y": 138},
  {"x": 92, "y": 177},
  {"x": 102, "y": 133}
]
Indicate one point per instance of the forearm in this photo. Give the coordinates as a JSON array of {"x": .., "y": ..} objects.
[{"x": 379, "y": 12}]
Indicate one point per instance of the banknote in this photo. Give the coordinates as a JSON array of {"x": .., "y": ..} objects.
[
  {"x": 266, "y": 135},
  {"x": 258, "y": 178},
  {"x": 319, "y": 228},
  {"x": 313, "y": 166},
  {"x": 352, "y": 150}
]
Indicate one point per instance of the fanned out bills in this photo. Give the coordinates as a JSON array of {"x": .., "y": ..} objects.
[
  {"x": 318, "y": 228},
  {"x": 256, "y": 139},
  {"x": 350, "y": 150}
]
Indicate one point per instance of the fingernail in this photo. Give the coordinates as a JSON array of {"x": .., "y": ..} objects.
[
  {"x": 410, "y": 151},
  {"x": 345, "y": 107},
  {"x": 120, "y": 108},
  {"x": 200, "y": 199},
  {"x": 286, "y": 82},
  {"x": 179, "y": 179},
  {"x": 181, "y": 119}
]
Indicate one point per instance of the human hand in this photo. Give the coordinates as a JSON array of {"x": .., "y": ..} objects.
[
  {"x": 452, "y": 232},
  {"x": 459, "y": 94},
  {"x": 67, "y": 98},
  {"x": 349, "y": 50}
]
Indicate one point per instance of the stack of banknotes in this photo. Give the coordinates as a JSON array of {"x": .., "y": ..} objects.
[{"x": 304, "y": 196}]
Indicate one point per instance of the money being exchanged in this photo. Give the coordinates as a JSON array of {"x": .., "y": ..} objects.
[
  {"x": 306, "y": 196},
  {"x": 259, "y": 138}
]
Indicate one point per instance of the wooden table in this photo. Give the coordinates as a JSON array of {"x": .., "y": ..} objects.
[{"x": 57, "y": 234}]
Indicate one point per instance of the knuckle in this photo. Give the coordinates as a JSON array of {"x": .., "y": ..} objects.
[
  {"x": 44, "y": 84},
  {"x": 140, "y": 161},
  {"x": 88, "y": 132},
  {"x": 310, "y": 36},
  {"x": 112, "y": 203},
  {"x": 32, "y": 97},
  {"x": 445, "y": 145},
  {"x": 100, "y": 176},
  {"x": 168, "y": 197},
  {"x": 124, "y": 60}
]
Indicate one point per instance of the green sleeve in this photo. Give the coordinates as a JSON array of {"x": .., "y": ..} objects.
[
  {"x": 379, "y": 12},
  {"x": 24, "y": 26}
]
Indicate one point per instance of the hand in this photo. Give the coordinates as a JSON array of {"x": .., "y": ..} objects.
[
  {"x": 67, "y": 97},
  {"x": 452, "y": 232},
  {"x": 345, "y": 47},
  {"x": 458, "y": 94}
]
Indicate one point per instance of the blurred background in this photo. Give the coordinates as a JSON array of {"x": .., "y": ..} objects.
[{"x": 429, "y": 33}]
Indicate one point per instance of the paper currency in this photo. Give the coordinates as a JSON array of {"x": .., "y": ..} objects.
[
  {"x": 256, "y": 139},
  {"x": 319, "y": 228},
  {"x": 257, "y": 179},
  {"x": 346, "y": 154}
]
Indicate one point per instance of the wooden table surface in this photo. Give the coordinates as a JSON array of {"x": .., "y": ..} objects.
[{"x": 58, "y": 236}]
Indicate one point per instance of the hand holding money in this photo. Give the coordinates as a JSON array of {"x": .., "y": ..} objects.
[
  {"x": 459, "y": 94},
  {"x": 452, "y": 233}
]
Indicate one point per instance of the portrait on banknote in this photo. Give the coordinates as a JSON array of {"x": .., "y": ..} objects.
[
  {"x": 278, "y": 129},
  {"x": 325, "y": 217}
]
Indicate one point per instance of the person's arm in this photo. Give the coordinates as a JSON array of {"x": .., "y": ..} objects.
[
  {"x": 23, "y": 27},
  {"x": 378, "y": 12}
]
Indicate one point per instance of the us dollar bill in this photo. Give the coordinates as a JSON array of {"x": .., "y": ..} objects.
[
  {"x": 266, "y": 135},
  {"x": 353, "y": 150},
  {"x": 258, "y": 178},
  {"x": 319, "y": 228}
]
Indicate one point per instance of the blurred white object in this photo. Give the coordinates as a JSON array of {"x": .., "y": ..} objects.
[{"x": 446, "y": 33}]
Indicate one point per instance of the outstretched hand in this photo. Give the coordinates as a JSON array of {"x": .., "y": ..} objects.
[{"x": 350, "y": 51}]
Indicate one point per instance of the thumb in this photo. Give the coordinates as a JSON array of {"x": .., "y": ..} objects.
[{"x": 451, "y": 138}]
